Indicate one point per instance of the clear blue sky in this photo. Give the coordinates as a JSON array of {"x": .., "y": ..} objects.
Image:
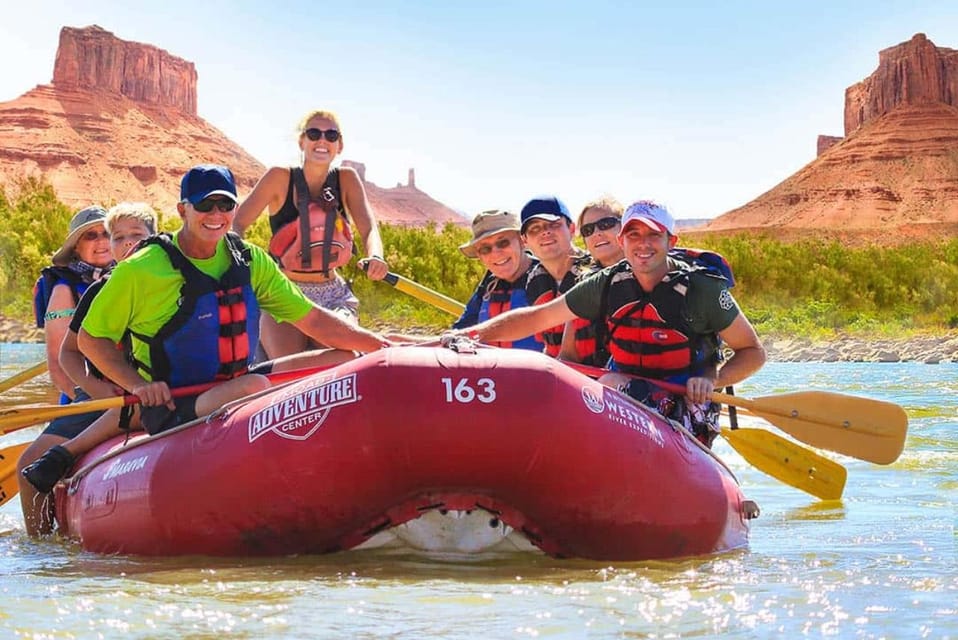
[{"x": 700, "y": 105}]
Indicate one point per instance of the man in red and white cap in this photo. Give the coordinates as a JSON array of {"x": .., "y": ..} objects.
[{"x": 665, "y": 320}]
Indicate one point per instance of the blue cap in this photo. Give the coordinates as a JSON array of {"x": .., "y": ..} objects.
[
  {"x": 205, "y": 180},
  {"x": 546, "y": 208}
]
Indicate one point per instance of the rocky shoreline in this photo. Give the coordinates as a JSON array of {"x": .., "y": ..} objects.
[{"x": 926, "y": 349}]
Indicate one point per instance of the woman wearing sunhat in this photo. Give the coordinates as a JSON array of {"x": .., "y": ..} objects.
[
  {"x": 83, "y": 258},
  {"x": 497, "y": 244}
]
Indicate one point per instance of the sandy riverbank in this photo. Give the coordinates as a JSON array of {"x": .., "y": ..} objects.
[{"x": 928, "y": 349}]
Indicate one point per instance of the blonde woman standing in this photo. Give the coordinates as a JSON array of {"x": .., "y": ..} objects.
[{"x": 311, "y": 211}]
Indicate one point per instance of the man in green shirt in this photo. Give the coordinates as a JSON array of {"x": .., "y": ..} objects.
[{"x": 172, "y": 300}]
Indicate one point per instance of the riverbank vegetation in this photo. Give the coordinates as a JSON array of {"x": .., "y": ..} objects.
[{"x": 810, "y": 288}]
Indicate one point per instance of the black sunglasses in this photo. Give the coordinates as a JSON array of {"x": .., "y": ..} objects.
[
  {"x": 314, "y": 134},
  {"x": 206, "y": 205},
  {"x": 486, "y": 249},
  {"x": 602, "y": 224}
]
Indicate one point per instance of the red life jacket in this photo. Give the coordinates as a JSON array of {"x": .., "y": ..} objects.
[
  {"x": 541, "y": 288},
  {"x": 587, "y": 347},
  {"x": 501, "y": 296},
  {"x": 650, "y": 333},
  {"x": 320, "y": 239}
]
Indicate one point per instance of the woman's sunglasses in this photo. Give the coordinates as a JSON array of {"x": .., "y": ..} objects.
[
  {"x": 314, "y": 134},
  {"x": 602, "y": 224},
  {"x": 91, "y": 236},
  {"x": 206, "y": 205},
  {"x": 486, "y": 249}
]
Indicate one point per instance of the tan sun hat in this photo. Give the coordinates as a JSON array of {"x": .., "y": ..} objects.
[
  {"x": 486, "y": 224},
  {"x": 83, "y": 220}
]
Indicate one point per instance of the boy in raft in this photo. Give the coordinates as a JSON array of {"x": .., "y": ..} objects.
[
  {"x": 664, "y": 320},
  {"x": 547, "y": 230},
  {"x": 177, "y": 298}
]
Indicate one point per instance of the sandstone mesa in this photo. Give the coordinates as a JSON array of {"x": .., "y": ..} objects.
[{"x": 896, "y": 167}]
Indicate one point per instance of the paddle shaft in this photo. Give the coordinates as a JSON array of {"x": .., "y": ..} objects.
[
  {"x": 23, "y": 376},
  {"x": 416, "y": 290}
]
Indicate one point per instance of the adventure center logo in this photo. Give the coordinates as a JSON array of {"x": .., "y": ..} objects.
[{"x": 300, "y": 415}]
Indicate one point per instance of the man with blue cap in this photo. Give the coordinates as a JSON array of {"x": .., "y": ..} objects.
[{"x": 547, "y": 231}]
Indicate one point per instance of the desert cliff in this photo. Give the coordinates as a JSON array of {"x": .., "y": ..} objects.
[{"x": 895, "y": 168}]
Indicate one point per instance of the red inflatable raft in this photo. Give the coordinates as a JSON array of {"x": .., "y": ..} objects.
[{"x": 437, "y": 449}]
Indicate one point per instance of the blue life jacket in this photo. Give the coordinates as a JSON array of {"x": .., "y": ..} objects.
[
  {"x": 214, "y": 332},
  {"x": 49, "y": 278},
  {"x": 500, "y": 296}
]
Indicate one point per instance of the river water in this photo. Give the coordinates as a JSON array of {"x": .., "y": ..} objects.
[{"x": 880, "y": 563}]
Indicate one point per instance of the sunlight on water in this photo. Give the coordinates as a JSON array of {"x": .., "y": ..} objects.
[{"x": 879, "y": 563}]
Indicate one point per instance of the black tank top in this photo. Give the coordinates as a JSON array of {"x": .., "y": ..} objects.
[{"x": 288, "y": 212}]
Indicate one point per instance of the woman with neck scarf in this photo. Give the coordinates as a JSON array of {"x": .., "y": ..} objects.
[{"x": 84, "y": 257}]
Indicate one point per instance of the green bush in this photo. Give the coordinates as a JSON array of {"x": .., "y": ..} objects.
[{"x": 805, "y": 288}]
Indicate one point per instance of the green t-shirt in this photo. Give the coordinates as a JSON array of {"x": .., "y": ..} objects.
[
  {"x": 710, "y": 303},
  {"x": 141, "y": 293}
]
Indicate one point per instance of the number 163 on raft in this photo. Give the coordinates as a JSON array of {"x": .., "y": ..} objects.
[{"x": 464, "y": 390}]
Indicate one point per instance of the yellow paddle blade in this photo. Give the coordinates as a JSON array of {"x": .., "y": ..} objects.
[
  {"x": 23, "y": 376},
  {"x": 416, "y": 290},
  {"x": 8, "y": 471},
  {"x": 16, "y": 418},
  {"x": 789, "y": 462},
  {"x": 872, "y": 430}
]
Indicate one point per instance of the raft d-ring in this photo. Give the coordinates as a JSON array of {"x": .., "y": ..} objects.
[
  {"x": 750, "y": 509},
  {"x": 462, "y": 345}
]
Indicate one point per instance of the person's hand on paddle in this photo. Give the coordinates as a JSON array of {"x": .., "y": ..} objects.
[
  {"x": 375, "y": 267},
  {"x": 154, "y": 394},
  {"x": 699, "y": 390}
]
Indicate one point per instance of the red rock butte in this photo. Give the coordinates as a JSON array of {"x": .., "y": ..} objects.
[
  {"x": 896, "y": 166},
  {"x": 119, "y": 122}
]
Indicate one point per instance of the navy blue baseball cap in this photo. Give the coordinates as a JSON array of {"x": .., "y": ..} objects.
[
  {"x": 548, "y": 208},
  {"x": 205, "y": 180}
]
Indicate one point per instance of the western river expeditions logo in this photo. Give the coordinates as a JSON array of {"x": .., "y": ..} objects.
[
  {"x": 620, "y": 410},
  {"x": 301, "y": 414}
]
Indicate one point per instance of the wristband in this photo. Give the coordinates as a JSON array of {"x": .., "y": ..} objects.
[{"x": 61, "y": 313}]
